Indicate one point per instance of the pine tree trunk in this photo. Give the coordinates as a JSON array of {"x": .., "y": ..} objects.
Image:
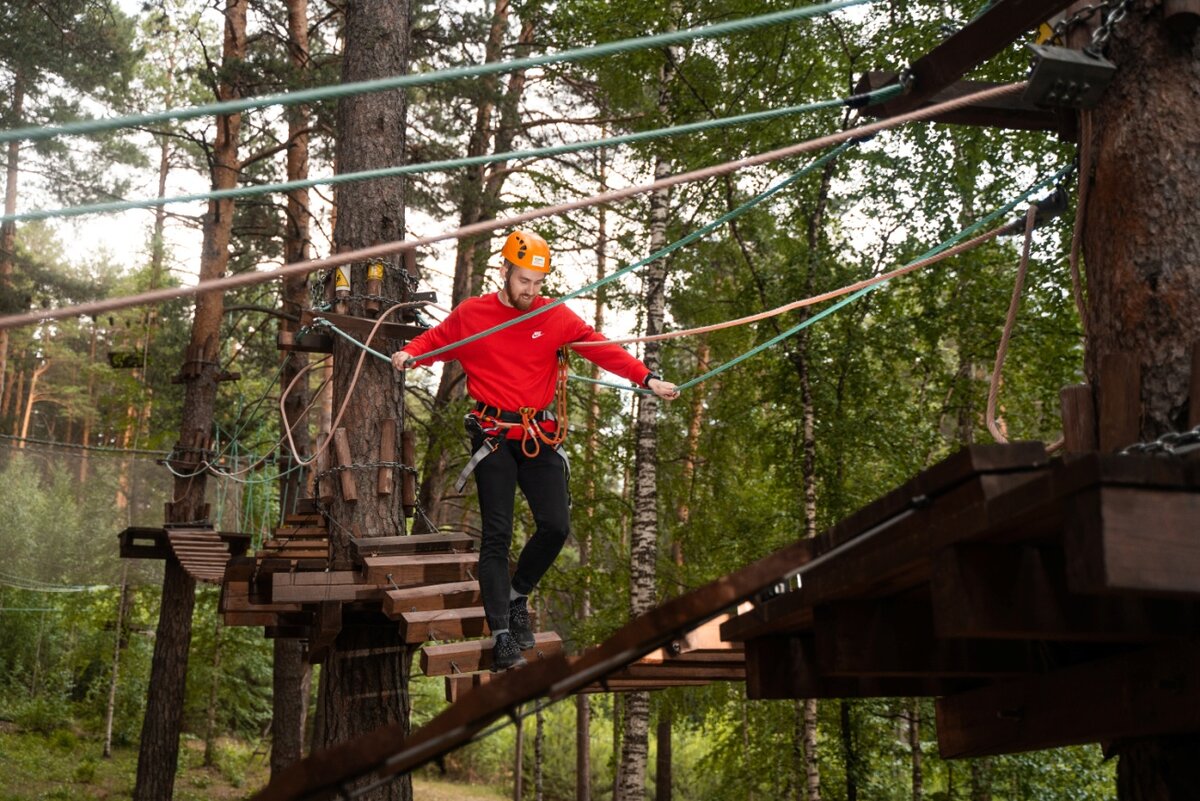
[
  {"x": 293, "y": 676},
  {"x": 1142, "y": 257},
  {"x": 519, "y": 762},
  {"x": 110, "y": 708},
  {"x": 914, "y": 744},
  {"x": 365, "y": 676},
  {"x": 849, "y": 751},
  {"x": 8, "y": 230},
  {"x": 981, "y": 779},
  {"x": 214, "y": 684},
  {"x": 539, "y": 744},
  {"x": 662, "y": 763},
  {"x": 159, "y": 750}
]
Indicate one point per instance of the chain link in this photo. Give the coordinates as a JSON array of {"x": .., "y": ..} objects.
[
  {"x": 1172, "y": 444},
  {"x": 1112, "y": 13},
  {"x": 364, "y": 466}
]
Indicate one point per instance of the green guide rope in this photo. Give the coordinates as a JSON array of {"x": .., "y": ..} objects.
[{"x": 426, "y": 78}]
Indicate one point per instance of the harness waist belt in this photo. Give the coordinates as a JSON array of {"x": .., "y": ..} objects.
[{"x": 506, "y": 416}]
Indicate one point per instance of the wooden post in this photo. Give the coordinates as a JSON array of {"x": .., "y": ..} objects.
[
  {"x": 408, "y": 482},
  {"x": 1194, "y": 389},
  {"x": 387, "y": 453},
  {"x": 1119, "y": 400},
  {"x": 1078, "y": 418},
  {"x": 341, "y": 444},
  {"x": 324, "y": 487}
]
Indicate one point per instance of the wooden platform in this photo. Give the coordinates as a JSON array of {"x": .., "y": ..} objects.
[
  {"x": 1019, "y": 593},
  {"x": 201, "y": 551}
]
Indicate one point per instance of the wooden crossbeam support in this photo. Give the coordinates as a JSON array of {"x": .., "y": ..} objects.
[
  {"x": 1149, "y": 692},
  {"x": 325, "y": 629},
  {"x": 408, "y": 481},
  {"x": 429, "y": 597},
  {"x": 784, "y": 666},
  {"x": 410, "y": 570},
  {"x": 1130, "y": 540},
  {"x": 476, "y": 655},
  {"x": 137, "y": 542},
  {"x": 387, "y": 453},
  {"x": 1020, "y": 592},
  {"x": 306, "y": 343},
  {"x": 1078, "y": 418},
  {"x": 449, "y": 542},
  {"x": 361, "y": 326},
  {"x": 1011, "y": 111},
  {"x": 895, "y": 637},
  {"x": 341, "y": 446},
  {"x": 443, "y": 624},
  {"x": 991, "y": 31}
]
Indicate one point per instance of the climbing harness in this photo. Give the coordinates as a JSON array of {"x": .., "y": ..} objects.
[{"x": 494, "y": 423}]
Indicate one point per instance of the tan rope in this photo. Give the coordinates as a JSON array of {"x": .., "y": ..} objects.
[
  {"x": 1009, "y": 323},
  {"x": 1085, "y": 178},
  {"x": 391, "y": 248},
  {"x": 799, "y": 304}
]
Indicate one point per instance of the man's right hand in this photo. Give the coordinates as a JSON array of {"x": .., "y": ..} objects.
[{"x": 400, "y": 359}]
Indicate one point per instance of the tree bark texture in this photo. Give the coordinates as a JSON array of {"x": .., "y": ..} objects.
[
  {"x": 1142, "y": 251},
  {"x": 849, "y": 750},
  {"x": 365, "y": 675},
  {"x": 8, "y": 230},
  {"x": 662, "y": 761},
  {"x": 1141, "y": 242},
  {"x": 159, "y": 747},
  {"x": 914, "y": 744},
  {"x": 643, "y": 550},
  {"x": 292, "y": 678}
]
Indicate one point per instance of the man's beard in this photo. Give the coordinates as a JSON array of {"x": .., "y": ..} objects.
[{"x": 519, "y": 302}]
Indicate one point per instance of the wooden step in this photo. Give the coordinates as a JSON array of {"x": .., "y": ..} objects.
[
  {"x": 300, "y": 533},
  {"x": 416, "y": 569},
  {"x": 308, "y": 519},
  {"x": 314, "y": 587},
  {"x": 430, "y": 597},
  {"x": 450, "y": 542},
  {"x": 476, "y": 655},
  {"x": 443, "y": 624},
  {"x": 306, "y": 506}
]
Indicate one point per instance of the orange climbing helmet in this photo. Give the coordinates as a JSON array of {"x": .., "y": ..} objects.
[{"x": 527, "y": 249}]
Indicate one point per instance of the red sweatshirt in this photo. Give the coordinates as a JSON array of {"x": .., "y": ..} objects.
[{"x": 517, "y": 366}]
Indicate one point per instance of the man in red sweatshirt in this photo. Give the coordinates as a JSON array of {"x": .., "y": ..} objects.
[{"x": 512, "y": 370}]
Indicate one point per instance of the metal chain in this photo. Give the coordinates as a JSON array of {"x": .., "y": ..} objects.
[
  {"x": 1170, "y": 444},
  {"x": 1100, "y": 36},
  {"x": 1112, "y": 13},
  {"x": 364, "y": 466}
]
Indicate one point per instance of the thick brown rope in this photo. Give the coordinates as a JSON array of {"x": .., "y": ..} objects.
[
  {"x": 391, "y": 248},
  {"x": 1010, "y": 322}
]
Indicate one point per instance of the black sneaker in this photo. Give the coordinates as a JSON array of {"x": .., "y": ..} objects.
[
  {"x": 505, "y": 653},
  {"x": 518, "y": 623}
]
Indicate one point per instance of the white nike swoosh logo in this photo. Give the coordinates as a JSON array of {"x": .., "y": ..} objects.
[{"x": 536, "y": 334}]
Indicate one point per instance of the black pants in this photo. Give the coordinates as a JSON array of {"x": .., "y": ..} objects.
[{"x": 543, "y": 480}]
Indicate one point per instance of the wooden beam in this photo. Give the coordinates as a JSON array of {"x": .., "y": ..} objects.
[
  {"x": 344, "y": 586},
  {"x": 1131, "y": 540},
  {"x": 1194, "y": 386},
  {"x": 341, "y": 446},
  {"x": 411, "y": 570},
  {"x": 1020, "y": 593},
  {"x": 476, "y": 655},
  {"x": 387, "y": 453},
  {"x": 1010, "y": 111},
  {"x": 306, "y": 343},
  {"x": 784, "y": 666},
  {"x": 1150, "y": 692},
  {"x": 1078, "y": 418},
  {"x": 895, "y": 637},
  {"x": 429, "y": 597},
  {"x": 991, "y": 31},
  {"x": 326, "y": 627},
  {"x": 362, "y": 326},
  {"x": 1120, "y": 400}
]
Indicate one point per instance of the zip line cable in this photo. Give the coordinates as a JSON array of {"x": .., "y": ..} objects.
[
  {"x": 854, "y": 101},
  {"x": 391, "y": 248},
  {"x": 35, "y": 133}
]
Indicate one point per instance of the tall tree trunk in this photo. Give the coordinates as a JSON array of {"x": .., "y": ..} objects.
[
  {"x": 644, "y": 537},
  {"x": 662, "y": 762},
  {"x": 849, "y": 750},
  {"x": 1143, "y": 276},
  {"x": 31, "y": 398},
  {"x": 539, "y": 745},
  {"x": 159, "y": 749},
  {"x": 365, "y": 676},
  {"x": 981, "y": 779},
  {"x": 110, "y": 708},
  {"x": 914, "y": 744},
  {"x": 479, "y": 200},
  {"x": 293, "y": 676},
  {"x": 519, "y": 762},
  {"x": 8, "y": 230},
  {"x": 214, "y": 685}
]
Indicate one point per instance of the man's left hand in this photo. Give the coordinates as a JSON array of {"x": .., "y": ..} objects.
[{"x": 663, "y": 389}]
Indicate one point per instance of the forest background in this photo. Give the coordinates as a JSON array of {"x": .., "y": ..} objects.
[{"x": 779, "y": 447}]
